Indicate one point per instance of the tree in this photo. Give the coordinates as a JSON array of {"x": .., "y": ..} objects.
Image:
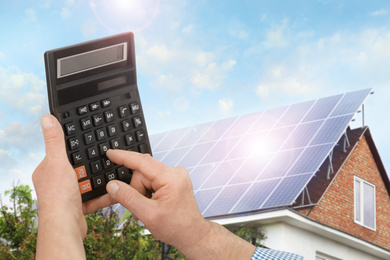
[
  {"x": 18, "y": 231},
  {"x": 251, "y": 232}
]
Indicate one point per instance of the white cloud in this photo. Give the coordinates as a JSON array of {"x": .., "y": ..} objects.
[
  {"x": 31, "y": 15},
  {"x": 22, "y": 92},
  {"x": 182, "y": 66},
  {"x": 225, "y": 105},
  {"x": 343, "y": 61},
  {"x": 379, "y": 12},
  {"x": 21, "y": 137}
]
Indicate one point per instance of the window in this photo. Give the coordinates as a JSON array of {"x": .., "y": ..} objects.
[{"x": 365, "y": 210}]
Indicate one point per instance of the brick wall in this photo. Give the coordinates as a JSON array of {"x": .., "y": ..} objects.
[{"x": 336, "y": 208}]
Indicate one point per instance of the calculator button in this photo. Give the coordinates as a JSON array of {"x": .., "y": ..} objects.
[
  {"x": 96, "y": 166},
  {"x": 80, "y": 172},
  {"x": 86, "y": 123},
  {"x": 114, "y": 143},
  {"x": 98, "y": 181},
  {"x": 126, "y": 126},
  {"x": 123, "y": 111},
  {"x": 92, "y": 152},
  {"x": 82, "y": 110},
  {"x": 97, "y": 119},
  {"x": 140, "y": 135},
  {"x": 106, "y": 103},
  {"x": 134, "y": 108},
  {"x": 123, "y": 173},
  {"x": 77, "y": 158},
  {"x": 110, "y": 176},
  {"x": 111, "y": 129},
  {"x": 107, "y": 163},
  {"x": 143, "y": 148},
  {"x": 89, "y": 138},
  {"x": 70, "y": 128},
  {"x": 100, "y": 134},
  {"x": 85, "y": 186},
  {"x": 65, "y": 115},
  {"x": 94, "y": 106},
  {"x": 137, "y": 122},
  {"x": 103, "y": 148},
  {"x": 73, "y": 143},
  {"x": 133, "y": 149},
  {"x": 129, "y": 139},
  {"x": 109, "y": 116}
]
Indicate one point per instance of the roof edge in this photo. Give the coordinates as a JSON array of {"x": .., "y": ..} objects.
[
  {"x": 377, "y": 158},
  {"x": 299, "y": 220}
]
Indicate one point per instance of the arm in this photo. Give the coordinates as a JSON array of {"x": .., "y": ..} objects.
[
  {"x": 61, "y": 223},
  {"x": 171, "y": 214}
]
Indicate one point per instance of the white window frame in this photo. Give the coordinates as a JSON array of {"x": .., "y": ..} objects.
[{"x": 361, "y": 183}]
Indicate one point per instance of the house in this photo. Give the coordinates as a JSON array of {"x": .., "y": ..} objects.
[
  {"x": 344, "y": 215},
  {"x": 317, "y": 187}
]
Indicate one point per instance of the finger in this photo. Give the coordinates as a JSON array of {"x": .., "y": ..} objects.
[
  {"x": 98, "y": 203},
  {"x": 54, "y": 136},
  {"x": 130, "y": 198},
  {"x": 141, "y": 184},
  {"x": 146, "y": 164}
]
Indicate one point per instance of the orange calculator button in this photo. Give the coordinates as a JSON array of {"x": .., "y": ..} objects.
[
  {"x": 85, "y": 186},
  {"x": 80, "y": 172}
]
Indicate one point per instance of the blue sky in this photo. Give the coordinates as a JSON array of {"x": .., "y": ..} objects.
[{"x": 197, "y": 61}]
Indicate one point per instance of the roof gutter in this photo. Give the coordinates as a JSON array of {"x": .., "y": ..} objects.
[{"x": 298, "y": 220}]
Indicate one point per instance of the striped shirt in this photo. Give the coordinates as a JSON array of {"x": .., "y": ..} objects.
[{"x": 269, "y": 254}]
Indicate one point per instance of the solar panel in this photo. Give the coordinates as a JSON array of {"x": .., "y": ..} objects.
[{"x": 258, "y": 161}]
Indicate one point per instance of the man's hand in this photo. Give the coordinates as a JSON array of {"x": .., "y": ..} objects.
[
  {"x": 162, "y": 198},
  {"x": 60, "y": 215}
]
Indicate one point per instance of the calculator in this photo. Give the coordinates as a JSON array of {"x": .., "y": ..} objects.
[{"x": 92, "y": 91}]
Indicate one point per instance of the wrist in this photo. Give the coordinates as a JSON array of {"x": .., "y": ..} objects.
[{"x": 219, "y": 243}]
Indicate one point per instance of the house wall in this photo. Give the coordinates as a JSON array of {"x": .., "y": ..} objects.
[
  {"x": 336, "y": 208},
  {"x": 285, "y": 237}
]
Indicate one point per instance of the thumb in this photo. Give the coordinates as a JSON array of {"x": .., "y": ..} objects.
[
  {"x": 53, "y": 135},
  {"x": 130, "y": 198}
]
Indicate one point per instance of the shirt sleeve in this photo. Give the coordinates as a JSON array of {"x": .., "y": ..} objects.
[{"x": 263, "y": 253}]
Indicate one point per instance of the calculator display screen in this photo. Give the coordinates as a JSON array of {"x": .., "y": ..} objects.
[{"x": 92, "y": 59}]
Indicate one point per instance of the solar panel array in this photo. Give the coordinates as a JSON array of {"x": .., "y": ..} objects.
[{"x": 261, "y": 160}]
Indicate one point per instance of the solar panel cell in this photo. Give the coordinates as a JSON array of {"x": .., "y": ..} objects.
[
  {"x": 287, "y": 191},
  {"x": 225, "y": 200},
  {"x": 322, "y": 108},
  {"x": 260, "y": 191},
  {"x": 331, "y": 130},
  {"x": 295, "y": 113},
  {"x": 280, "y": 164},
  {"x": 222, "y": 174}
]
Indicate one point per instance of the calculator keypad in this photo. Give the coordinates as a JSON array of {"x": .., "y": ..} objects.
[{"x": 92, "y": 129}]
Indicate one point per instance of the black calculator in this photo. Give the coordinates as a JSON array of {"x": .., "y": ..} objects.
[{"x": 92, "y": 90}]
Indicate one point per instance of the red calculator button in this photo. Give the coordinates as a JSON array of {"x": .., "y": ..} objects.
[
  {"x": 85, "y": 186},
  {"x": 80, "y": 172}
]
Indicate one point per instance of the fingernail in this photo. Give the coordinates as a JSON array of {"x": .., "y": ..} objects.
[
  {"x": 112, "y": 188},
  {"x": 47, "y": 122}
]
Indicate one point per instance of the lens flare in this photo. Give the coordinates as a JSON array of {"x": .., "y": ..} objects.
[{"x": 125, "y": 15}]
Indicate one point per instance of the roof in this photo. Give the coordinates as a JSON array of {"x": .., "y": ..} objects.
[
  {"x": 320, "y": 182},
  {"x": 261, "y": 160}
]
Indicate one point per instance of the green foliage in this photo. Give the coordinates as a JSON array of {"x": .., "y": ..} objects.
[
  {"x": 105, "y": 238},
  {"x": 18, "y": 231},
  {"x": 251, "y": 232}
]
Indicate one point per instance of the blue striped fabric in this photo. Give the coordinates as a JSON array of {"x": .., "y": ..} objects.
[{"x": 269, "y": 254}]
